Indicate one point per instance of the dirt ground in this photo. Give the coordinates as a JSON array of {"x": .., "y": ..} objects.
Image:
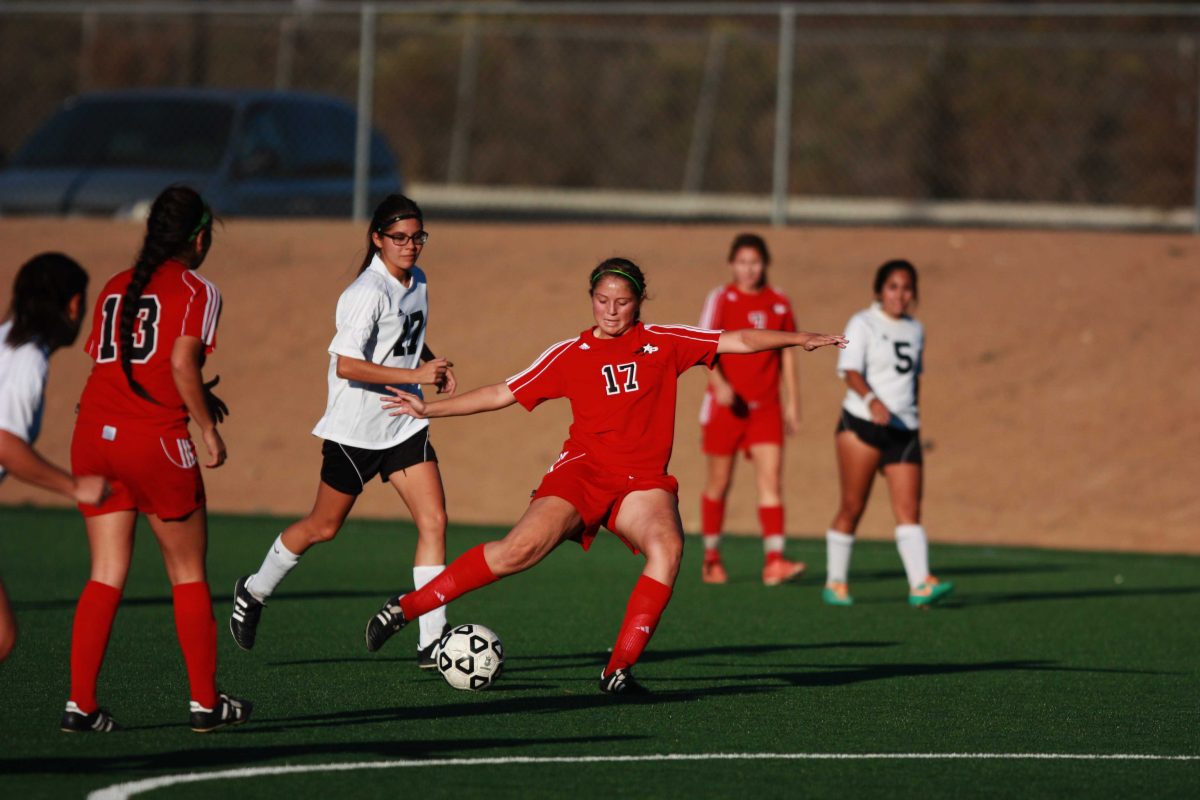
[{"x": 1059, "y": 401}]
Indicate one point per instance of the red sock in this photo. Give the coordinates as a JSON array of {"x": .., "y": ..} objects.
[
  {"x": 770, "y": 518},
  {"x": 197, "y": 639},
  {"x": 466, "y": 573},
  {"x": 712, "y": 515},
  {"x": 645, "y": 607},
  {"x": 89, "y": 639}
]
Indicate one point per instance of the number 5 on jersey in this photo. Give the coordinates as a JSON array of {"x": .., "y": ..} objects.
[{"x": 145, "y": 329}]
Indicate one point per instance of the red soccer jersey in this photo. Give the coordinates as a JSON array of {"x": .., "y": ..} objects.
[
  {"x": 176, "y": 302},
  {"x": 622, "y": 391},
  {"x": 754, "y": 376}
]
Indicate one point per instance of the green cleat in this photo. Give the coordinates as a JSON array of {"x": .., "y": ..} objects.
[
  {"x": 930, "y": 592},
  {"x": 837, "y": 594}
]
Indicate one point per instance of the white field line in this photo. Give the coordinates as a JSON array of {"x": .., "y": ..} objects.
[{"x": 119, "y": 791}]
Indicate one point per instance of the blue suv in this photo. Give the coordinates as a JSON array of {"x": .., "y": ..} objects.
[{"x": 250, "y": 153}]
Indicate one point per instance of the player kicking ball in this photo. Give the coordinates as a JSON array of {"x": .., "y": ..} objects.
[{"x": 621, "y": 378}]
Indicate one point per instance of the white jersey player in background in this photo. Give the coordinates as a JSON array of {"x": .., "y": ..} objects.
[
  {"x": 380, "y": 340},
  {"x": 879, "y": 429},
  {"x": 49, "y": 299}
]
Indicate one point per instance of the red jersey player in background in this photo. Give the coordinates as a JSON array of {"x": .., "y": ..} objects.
[
  {"x": 742, "y": 410},
  {"x": 620, "y": 377},
  {"x": 152, "y": 328}
]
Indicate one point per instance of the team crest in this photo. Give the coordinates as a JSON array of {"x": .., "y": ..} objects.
[{"x": 647, "y": 349}]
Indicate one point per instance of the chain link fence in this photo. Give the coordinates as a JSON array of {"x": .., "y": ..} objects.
[{"x": 687, "y": 109}]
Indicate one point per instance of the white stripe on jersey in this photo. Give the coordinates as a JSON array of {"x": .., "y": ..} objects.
[
  {"x": 212, "y": 307},
  {"x": 565, "y": 344},
  {"x": 677, "y": 330},
  {"x": 709, "y": 314}
]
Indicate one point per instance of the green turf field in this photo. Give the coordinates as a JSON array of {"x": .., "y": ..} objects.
[{"x": 1041, "y": 653}]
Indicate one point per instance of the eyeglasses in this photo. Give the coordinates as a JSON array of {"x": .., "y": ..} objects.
[{"x": 400, "y": 239}]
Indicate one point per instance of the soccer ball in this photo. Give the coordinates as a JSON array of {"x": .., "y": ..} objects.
[{"x": 470, "y": 657}]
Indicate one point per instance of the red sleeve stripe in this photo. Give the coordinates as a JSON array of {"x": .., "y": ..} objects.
[
  {"x": 539, "y": 365},
  {"x": 212, "y": 306},
  {"x": 683, "y": 331},
  {"x": 708, "y": 317}
]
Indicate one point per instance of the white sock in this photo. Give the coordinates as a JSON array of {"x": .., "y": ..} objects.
[
  {"x": 431, "y": 624},
  {"x": 712, "y": 541},
  {"x": 914, "y": 552},
  {"x": 773, "y": 543},
  {"x": 278, "y": 563},
  {"x": 838, "y": 547}
]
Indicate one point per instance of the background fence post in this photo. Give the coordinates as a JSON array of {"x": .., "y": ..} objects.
[
  {"x": 464, "y": 105},
  {"x": 366, "y": 94},
  {"x": 783, "y": 115},
  {"x": 1196, "y": 164},
  {"x": 706, "y": 110}
]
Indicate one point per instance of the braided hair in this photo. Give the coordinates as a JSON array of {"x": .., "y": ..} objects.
[
  {"x": 179, "y": 215},
  {"x": 41, "y": 298},
  {"x": 393, "y": 208}
]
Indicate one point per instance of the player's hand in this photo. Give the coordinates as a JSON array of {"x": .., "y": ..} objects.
[
  {"x": 448, "y": 384},
  {"x": 403, "y": 404},
  {"x": 91, "y": 490},
  {"x": 724, "y": 394},
  {"x": 433, "y": 372},
  {"x": 791, "y": 420},
  {"x": 216, "y": 406},
  {"x": 815, "y": 340},
  {"x": 215, "y": 446},
  {"x": 880, "y": 414}
]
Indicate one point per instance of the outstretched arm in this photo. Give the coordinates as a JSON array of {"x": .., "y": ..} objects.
[
  {"x": 27, "y": 464},
  {"x": 752, "y": 340},
  {"x": 476, "y": 401}
]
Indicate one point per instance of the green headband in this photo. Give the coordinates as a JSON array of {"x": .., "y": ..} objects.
[
  {"x": 623, "y": 274},
  {"x": 205, "y": 218}
]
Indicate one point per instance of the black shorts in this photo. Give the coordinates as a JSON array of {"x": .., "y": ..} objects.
[
  {"x": 348, "y": 469},
  {"x": 895, "y": 445}
]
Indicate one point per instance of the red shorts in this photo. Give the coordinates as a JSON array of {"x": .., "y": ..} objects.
[
  {"x": 596, "y": 492},
  {"x": 727, "y": 429},
  {"x": 151, "y": 471}
]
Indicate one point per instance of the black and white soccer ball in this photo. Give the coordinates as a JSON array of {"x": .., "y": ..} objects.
[{"x": 470, "y": 657}]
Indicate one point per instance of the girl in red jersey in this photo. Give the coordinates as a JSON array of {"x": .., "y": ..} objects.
[
  {"x": 49, "y": 299},
  {"x": 742, "y": 410},
  {"x": 152, "y": 328},
  {"x": 620, "y": 377}
]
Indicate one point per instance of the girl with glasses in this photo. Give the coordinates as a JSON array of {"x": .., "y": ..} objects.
[
  {"x": 381, "y": 322},
  {"x": 153, "y": 327},
  {"x": 620, "y": 376}
]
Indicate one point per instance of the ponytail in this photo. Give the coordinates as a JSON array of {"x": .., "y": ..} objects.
[{"x": 177, "y": 217}]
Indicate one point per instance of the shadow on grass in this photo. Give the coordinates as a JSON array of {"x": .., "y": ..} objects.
[
  {"x": 996, "y": 598},
  {"x": 248, "y": 753},
  {"x": 956, "y": 572},
  {"x": 219, "y": 600}
]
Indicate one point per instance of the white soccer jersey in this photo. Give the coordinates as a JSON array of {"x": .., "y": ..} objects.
[
  {"x": 380, "y": 320},
  {"x": 23, "y": 373},
  {"x": 889, "y": 353}
]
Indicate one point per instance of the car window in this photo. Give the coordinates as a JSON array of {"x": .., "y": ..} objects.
[
  {"x": 162, "y": 133},
  {"x": 305, "y": 140}
]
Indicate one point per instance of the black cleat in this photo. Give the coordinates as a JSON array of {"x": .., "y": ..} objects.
[
  {"x": 385, "y": 624},
  {"x": 229, "y": 711},
  {"x": 621, "y": 682},
  {"x": 243, "y": 622},
  {"x": 427, "y": 656},
  {"x": 75, "y": 721}
]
